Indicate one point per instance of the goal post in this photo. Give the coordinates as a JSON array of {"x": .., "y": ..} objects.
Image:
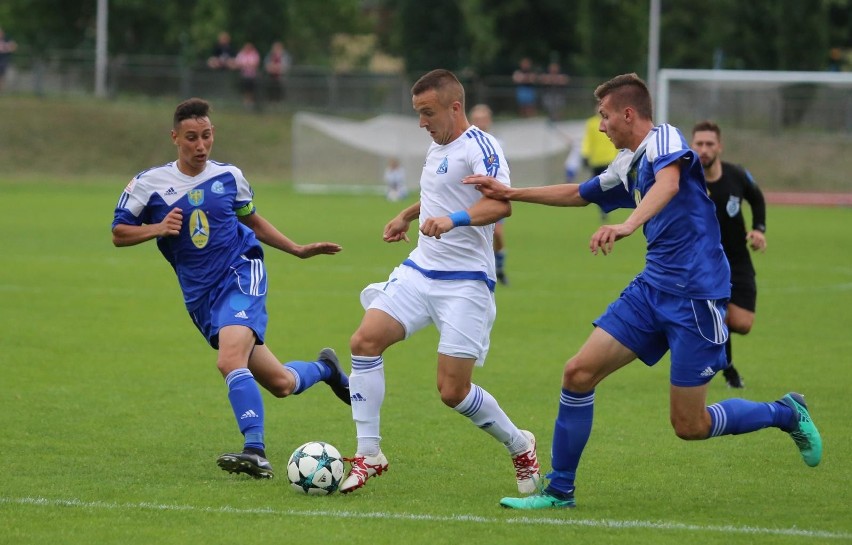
[
  {"x": 341, "y": 155},
  {"x": 791, "y": 129}
]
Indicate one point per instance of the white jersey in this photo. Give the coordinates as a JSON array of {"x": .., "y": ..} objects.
[{"x": 465, "y": 249}]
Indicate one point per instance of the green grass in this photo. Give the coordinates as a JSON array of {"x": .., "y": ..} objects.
[
  {"x": 114, "y": 411},
  {"x": 84, "y": 139}
]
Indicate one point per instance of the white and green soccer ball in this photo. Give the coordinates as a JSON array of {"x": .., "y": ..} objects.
[{"x": 315, "y": 468}]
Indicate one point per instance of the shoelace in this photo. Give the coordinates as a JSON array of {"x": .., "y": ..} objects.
[
  {"x": 360, "y": 467},
  {"x": 525, "y": 465}
]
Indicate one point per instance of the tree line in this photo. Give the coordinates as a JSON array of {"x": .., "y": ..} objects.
[{"x": 592, "y": 38}]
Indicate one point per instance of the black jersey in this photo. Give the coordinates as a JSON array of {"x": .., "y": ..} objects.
[{"x": 728, "y": 193}]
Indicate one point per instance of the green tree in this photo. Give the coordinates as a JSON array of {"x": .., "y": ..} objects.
[
  {"x": 613, "y": 37},
  {"x": 190, "y": 26},
  {"x": 432, "y": 35}
]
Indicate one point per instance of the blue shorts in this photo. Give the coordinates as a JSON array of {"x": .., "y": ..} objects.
[
  {"x": 650, "y": 322},
  {"x": 239, "y": 300}
]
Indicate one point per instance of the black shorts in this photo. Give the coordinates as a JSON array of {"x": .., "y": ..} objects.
[{"x": 744, "y": 294}]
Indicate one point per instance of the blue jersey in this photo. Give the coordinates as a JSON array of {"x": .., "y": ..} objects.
[
  {"x": 684, "y": 252},
  {"x": 212, "y": 240}
]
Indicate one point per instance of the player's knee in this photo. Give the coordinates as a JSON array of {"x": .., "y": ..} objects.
[
  {"x": 281, "y": 383},
  {"x": 280, "y": 388},
  {"x": 227, "y": 365},
  {"x": 453, "y": 394},
  {"x": 576, "y": 377},
  {"x": 363, "y": 345},
  {"x": 690, "y": 430}
]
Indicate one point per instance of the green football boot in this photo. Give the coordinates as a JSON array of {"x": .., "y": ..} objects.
[
  {"x": 805, "y": 435},
  {"x": 538, "y": 501}
]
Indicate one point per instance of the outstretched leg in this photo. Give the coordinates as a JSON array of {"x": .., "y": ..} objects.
[
  {"x": 600, "y": 356},
  {"x": 480, "y": 407}
]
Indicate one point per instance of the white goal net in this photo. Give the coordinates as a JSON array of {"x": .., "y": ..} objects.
[
  {"x": 336, "y": 154},
  {"x": 792, "y": 130}
]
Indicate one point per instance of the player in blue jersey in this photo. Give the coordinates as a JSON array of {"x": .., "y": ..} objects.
[
  {"x": 448, "y": 280},
  {"x": 677, "y": 303},
  {"x": 204, "y": 221}
]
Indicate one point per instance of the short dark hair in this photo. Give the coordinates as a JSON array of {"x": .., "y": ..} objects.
[
  {"x": 192, "y": 108},
  {"x": 447, "y": 85},
  {"x": 707, "y": 125},
  {"x": 627, "y": 90}
]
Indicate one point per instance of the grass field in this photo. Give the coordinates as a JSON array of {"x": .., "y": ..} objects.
[{"x": 115, "y": 413}]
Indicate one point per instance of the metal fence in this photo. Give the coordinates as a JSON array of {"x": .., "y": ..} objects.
[{"x": 63, "y": 73}]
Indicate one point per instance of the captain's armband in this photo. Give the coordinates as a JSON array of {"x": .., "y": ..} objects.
[{"x": 245, "y": 210}]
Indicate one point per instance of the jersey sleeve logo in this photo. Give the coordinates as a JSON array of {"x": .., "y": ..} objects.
[
  {"x": 491, "y": 162},
  {"x": 195, "y": 196},
  {"x": 199, "y": 228}
]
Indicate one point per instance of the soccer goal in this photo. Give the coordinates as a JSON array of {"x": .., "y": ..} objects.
[
  {"x": 337, "y": 154},
  {"x": 791, "y": 129}
]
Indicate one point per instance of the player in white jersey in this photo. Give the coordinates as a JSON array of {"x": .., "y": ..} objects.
[
  {"x": 482, "y": 116},
  {"x": 202, "y": 216},
  {"x": 448, "y": 280}
]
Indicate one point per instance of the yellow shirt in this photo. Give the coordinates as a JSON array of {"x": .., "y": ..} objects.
[{"x": 596, "y": 148}]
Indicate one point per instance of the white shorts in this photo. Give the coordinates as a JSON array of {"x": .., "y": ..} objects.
[{"x": 462, "y": 310}]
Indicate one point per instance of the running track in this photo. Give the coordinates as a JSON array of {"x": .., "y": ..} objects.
[{"x": 809, "y": 199}]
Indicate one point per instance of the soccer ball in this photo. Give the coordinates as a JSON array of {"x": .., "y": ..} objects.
[{"x": 315, "y": 468}]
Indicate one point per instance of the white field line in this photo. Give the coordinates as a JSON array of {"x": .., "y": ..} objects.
[{"x": 475, "y": 519}]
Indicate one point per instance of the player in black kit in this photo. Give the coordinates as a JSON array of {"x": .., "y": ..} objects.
[{"x": 729, "y": 185}]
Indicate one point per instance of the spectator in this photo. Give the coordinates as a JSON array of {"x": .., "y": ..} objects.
[
  {"x": 7, "y": 47},
  {"x": 525, "y": 91},
  {"x": 835, "y": 60},
  {"x": 248, "y": 63},
  {"x": 553, "y": 84},
  {"x": 277, "y": 64},
  {"x": 222, "y": 56}
]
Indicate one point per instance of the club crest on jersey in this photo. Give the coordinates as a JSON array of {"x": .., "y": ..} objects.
[
  {"x": 492, "y": 161},
  {"x": 443, "y": 168},
  {"x": 217, "y": 188},
  {"x": 199, "y": 228},
  {"x": 632, "y": 175},
  {"x": 637, "y": 196},
  {"x": 733, "y": 206},
  {"x": 195, "y": 196}
]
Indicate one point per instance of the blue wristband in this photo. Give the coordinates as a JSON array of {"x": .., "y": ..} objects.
[{"x": 460, "y": 217}]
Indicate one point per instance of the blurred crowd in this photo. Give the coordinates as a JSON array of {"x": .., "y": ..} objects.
[{"x": 248, "y": 63}]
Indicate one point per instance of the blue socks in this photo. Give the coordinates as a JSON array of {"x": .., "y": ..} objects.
[
  {"x": 570, "y": 435},
  {"x": 247, "y": 404},
  {"x": 574, "y": 425},
  {"x": 307, "y": 373},
  {"x": 499, "y": 260},
  {"x": 736, "y": 416}
]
